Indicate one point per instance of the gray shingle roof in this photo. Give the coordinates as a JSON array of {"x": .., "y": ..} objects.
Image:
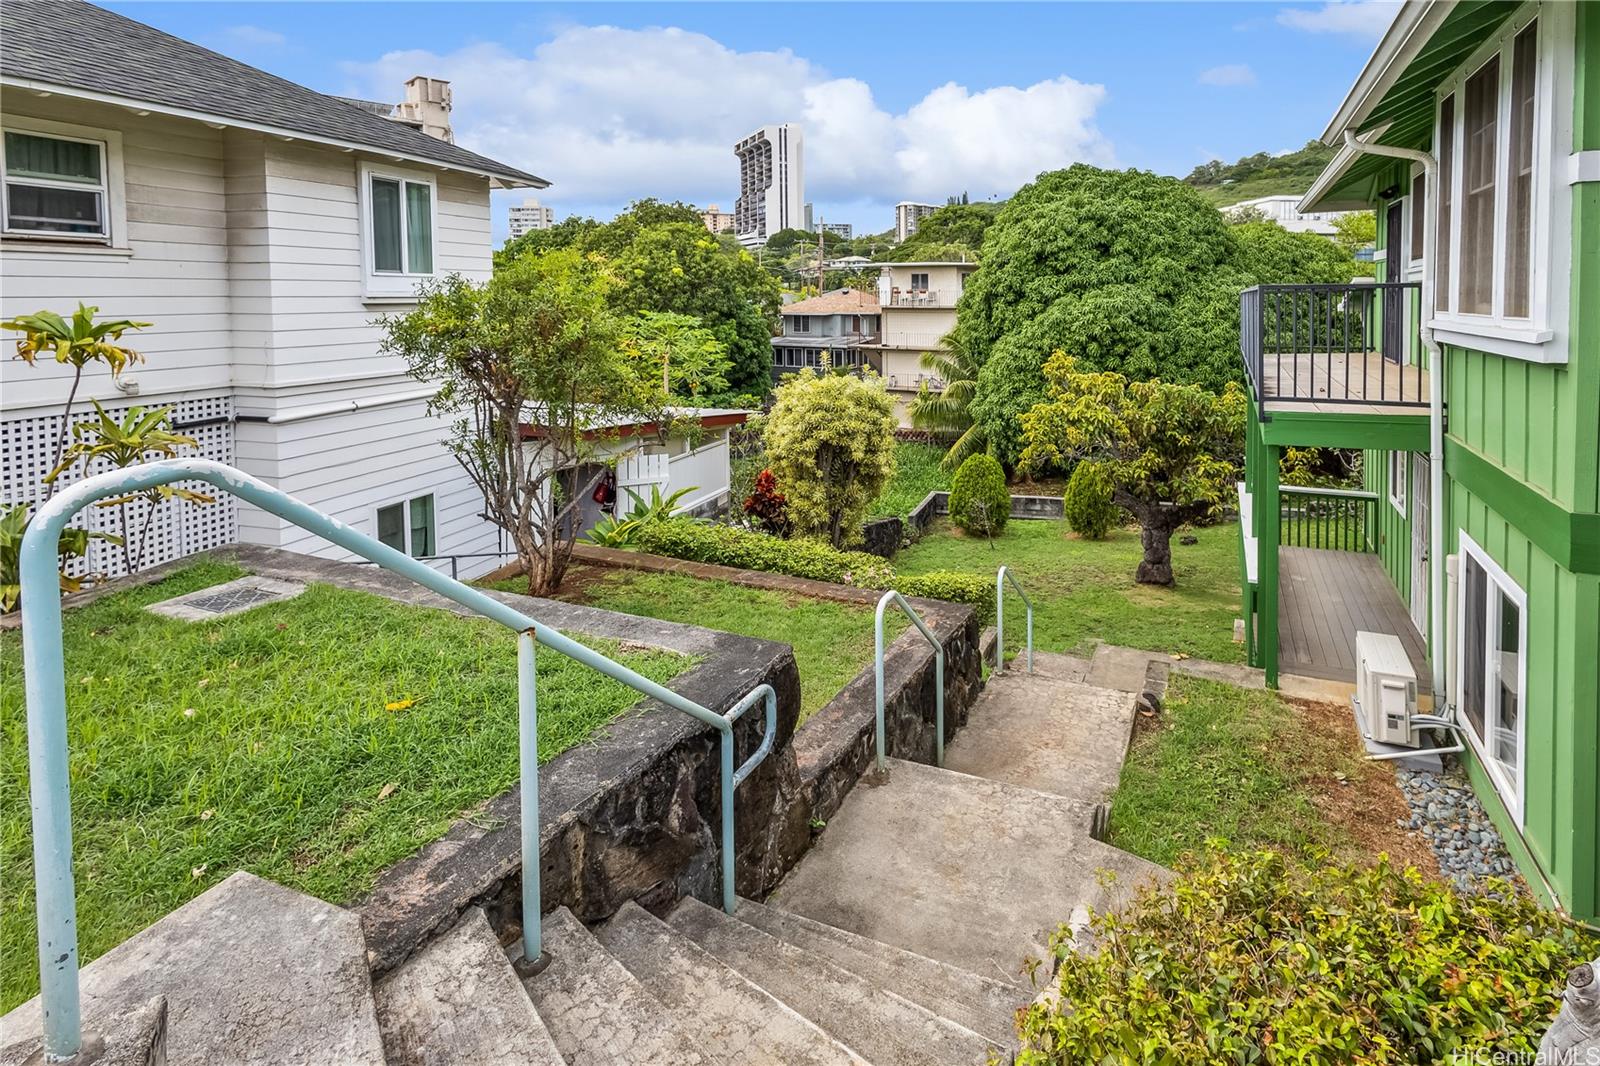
[{"x": 76, "y": 45}]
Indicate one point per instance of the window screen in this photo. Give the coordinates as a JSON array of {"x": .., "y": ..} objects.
[
  {"x": 1481, "y": 117},
  {"x": 392, "y": 526},
  {"x": 1519, "y": 190},
  {"x": 386, "y": 226}
]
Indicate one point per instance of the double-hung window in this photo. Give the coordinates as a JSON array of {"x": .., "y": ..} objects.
[
  {"x": 56, "y": 186},
  {"x": 399, "y": 214},
  {"x": 1492, "y": 635},
  {"x": 409, "y": 526},
  {"x": 1502, "y": 211}
]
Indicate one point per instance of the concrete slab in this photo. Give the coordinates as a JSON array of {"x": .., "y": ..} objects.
[
  {"x": 253, "y": 973},
  {"x": 598, "y": 1012},
  {"x": 1121, "y": 668},
  {"x": 1042, "y": 732},
  {"x": 981, "y": 1004},
  {"x": 741, "y": 1023},
  {"x": 459, "y": 1000},
  {"x": 873, "y": 1019},
  {"x": 972, "y": 872}
]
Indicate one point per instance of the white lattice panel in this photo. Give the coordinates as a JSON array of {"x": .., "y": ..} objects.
[{"x": 176, "y": 529}]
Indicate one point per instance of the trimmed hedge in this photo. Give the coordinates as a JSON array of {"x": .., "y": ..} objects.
[
  {"x": 1086, "y": 505},
  {"x": 979, "y": 502},
  {"x": 954, "y": 586}
]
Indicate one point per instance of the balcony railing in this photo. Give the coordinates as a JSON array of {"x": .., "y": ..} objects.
[
  {"x": 1339, "y": 519},
  {"x": 915, "y": 381},
  {"x": 923, "y": 297},
  {"x": 1332, "y": 344},
  {"x": 927, "y": 340}
]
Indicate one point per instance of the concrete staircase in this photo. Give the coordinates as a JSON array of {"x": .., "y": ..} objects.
[{"x": 899, "y": 939}]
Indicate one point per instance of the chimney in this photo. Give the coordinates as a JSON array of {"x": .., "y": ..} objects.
[{"x": 427, "y": 106}]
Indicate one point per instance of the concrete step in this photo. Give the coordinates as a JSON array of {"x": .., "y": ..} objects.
[
  {"x": 598, "y": 1012},
  {"x": 874, "y": 1020},
  {"x": 253, "y": 973},
  {"x": 972, "y": 872},
  {"x": 981, "y": 1004},
  {"x": 459, "y": 1000},
  {"x": 1047, "y": 733},
  {"x": 737, "y": 1020}
]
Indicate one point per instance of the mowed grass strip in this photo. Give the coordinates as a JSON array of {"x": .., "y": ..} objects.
[
  {"x": 1083, "y": 590},
  {"x": 313, "y": 742},
  {"x": 916, "y": 473}
]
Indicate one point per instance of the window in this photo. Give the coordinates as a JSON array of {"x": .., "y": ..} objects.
[
  {"x": 1419, "y": 202},
  {"x": 1481, "y": 110},
  {"x": 409, "y": 527},
  {"x": 1492, "y": 634},
  {"x": 802, "y": 323},
  {"x": 56, "y": 185},
  {"x": 1519, "y": 179},
  {"x": 399, "y": 213},
  {"x": 1398, "y": 467},
  {"x": 1447, "y": 192},
  {"x": 919, "y": 282}
]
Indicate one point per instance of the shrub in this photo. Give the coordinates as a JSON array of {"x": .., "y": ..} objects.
[
  {"x": 974, "y": 590},
  {"x": 979, "y": 502},
  {"x": 767, "y": 507},
  {"x": 1087, "y": 504},
  {"x": 830, "y": 442},
  {"x": 746, "y": 549},
  {"x": 1246, "y": 960}
]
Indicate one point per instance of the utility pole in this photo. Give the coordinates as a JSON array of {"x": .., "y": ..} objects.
[{"x": 819, "y": 256}]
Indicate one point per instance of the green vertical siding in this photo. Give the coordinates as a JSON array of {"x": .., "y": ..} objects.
[{"x": 1392, "y": 537}]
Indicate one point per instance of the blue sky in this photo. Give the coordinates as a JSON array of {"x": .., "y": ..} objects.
[{"x": 898, "y": 101}]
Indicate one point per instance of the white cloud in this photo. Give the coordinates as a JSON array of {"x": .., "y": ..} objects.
[
  {"x": 1228, "y": 74},
  {"x": 254, "y": 37},
  {"x": 1360, "y": 18},
  {"x": 609, "y": 114}
]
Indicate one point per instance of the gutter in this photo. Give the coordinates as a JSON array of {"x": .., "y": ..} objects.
[{"x": 300, "y": 414}]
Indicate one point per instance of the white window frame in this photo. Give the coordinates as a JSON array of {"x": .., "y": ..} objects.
[
  {"x": 404, "y": 503},
  {"x": 1399, "y": 486},
  {"x": 802, "y": 323},
  {"x": 1542, "y": 336},
  {"x": 1416, "y": 253},
  {"x": 113, "y": 186},
  {"x": 1513, "y": 797},
  {"x": 395, "y": 284}
]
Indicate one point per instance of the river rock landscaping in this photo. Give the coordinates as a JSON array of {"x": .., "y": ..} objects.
[{"x": 1446, "y": 813}]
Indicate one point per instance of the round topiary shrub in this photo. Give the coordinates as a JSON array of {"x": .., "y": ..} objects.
[
  {"x": 1087, "y": 502},
  {"x": 979, "y": 502}
]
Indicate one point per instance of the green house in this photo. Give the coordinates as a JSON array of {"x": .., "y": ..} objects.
[{"x": 1467, "y": 371}]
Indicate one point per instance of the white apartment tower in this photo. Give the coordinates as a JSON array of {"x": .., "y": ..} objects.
[
  {"x": 530, "y": 215},
  {"x": 907, "y": 215},
  {"x": 771, "y": 183}
]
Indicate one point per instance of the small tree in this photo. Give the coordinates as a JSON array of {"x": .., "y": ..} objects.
[
  {"x": 1087, "y": 504},
  {"x": 830, "y": 444},
  {"x": 979, "y": 502},
  {"x": 531, "y": 368},
  {"x": 691, "y": 359},
  {"x": 1171, "y": 452}
]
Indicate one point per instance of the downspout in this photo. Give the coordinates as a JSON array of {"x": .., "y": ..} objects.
[{"x": 1436, "y": 552}]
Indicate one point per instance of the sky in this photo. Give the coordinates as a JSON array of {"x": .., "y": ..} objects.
[{"x": 897, "y": 101}]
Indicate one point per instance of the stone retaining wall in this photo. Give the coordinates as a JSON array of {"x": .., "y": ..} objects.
[{"x": 935, "y": 504}]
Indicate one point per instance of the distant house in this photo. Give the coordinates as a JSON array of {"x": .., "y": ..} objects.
[
  {"x": 919, "y": 310},
  {"x": 837, "y": 328},
  {"x": 263, "y": 227},
  {"x": 1285, "y": 211}
]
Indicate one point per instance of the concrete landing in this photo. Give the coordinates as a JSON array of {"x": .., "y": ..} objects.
[
  {"x": 981, "y": 1004},
  {"x": 254, "y": 973},
  {"x": 972, "y": 872},
  {"x": 881, "y": 1026},
  {"x": 459, "y": 1000},
  {"x": 739, "y": 1022},
  {"x": 1046, "y": 732},
  {"x": 598, "y": 1012}
]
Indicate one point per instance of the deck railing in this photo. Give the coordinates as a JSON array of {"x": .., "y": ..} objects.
[
  {"x": 1332, "y": 344},
  {"x": 1340, "y": 519}
]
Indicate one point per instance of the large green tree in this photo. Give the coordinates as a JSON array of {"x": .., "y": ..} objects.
[
  {"x": 1125, "y": 270},
  {"x": 1271, "y": 254},
  {"x": 830, "y": 444},
  {"x": 956, "y": 227}
]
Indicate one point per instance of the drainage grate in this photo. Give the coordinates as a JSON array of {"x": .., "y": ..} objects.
[
  {"x": 239, "y": 599},
  {"x": 204, "y": 605}
]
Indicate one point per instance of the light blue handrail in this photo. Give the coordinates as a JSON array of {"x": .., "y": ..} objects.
[
  {"x": 45, "y": 689},
  {"x": 938, "y": 672},
  {"x": 1000, "y": 580}
]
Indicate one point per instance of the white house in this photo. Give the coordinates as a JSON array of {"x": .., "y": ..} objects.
[
  {"x": 1285, "y": 211},
  {"x": 263, "y": 228}
]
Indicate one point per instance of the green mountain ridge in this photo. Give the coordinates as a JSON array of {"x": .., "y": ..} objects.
[{"x": 1262, "y": 174}]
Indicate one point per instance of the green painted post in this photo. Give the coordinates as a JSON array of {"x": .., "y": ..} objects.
[{"x": 1268, "y": 520}]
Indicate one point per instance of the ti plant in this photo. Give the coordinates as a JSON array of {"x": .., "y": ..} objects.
[
  {"x": 76, "y": 342},
  {"x": 74, "y": 544},
  {"x": 621, "y": 531},
  {"x": 142, "y": 433}
]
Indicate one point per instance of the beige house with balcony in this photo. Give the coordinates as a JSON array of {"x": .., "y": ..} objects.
[{"x": 918, "y": 305}]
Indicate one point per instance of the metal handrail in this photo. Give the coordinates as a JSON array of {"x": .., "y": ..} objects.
[
  {"x": 45, "y": 689},
  {"x": 938, "y": 672},
  {"x": 1000, "y": 580}
]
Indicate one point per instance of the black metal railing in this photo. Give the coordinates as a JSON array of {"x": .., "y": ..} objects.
[
  {"x": 1336, "y": 344},
  {"x": 1340, "y": 519}
]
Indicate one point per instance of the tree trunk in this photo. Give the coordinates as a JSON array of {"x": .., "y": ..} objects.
[{"x": 1156, "y": 566}]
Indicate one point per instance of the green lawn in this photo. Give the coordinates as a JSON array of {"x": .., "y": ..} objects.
[
  {"x": 1083, "y": 590},
  {"x": 278, "y": 741},
  {"x": 831, "y": 641},
  {"x": 1236, "y": 764},
  {"x": 916, "y": 474}
]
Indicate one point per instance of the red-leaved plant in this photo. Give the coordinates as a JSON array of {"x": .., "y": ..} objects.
[{"x": 767, "y": 507}]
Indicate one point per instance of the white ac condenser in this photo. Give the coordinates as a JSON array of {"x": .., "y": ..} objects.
[{"x": 1386, "y": 688}]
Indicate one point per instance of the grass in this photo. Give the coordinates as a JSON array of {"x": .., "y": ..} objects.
[
  {"x": 313, "y": 742},
  {"x": 917, "y": 473},
  {"x": 831, "y": 641},
  {"x": 1237, "y": 764},
  {"x": 1083, "y": 590}
]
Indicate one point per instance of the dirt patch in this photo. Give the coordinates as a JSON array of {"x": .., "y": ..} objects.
[
  {"x": 579, "y": 579},
  {"x": 1360, "y": 797}
]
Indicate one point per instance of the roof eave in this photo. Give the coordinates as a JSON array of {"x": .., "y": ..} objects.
[
  {"x": 500, "y": 179},
  {"x": 1405, "y": 37},
  {"x": 1315, "y": 197}
]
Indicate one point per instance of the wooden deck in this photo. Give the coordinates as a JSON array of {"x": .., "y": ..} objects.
[
  {"x": 1324, "y": 597},
  {"x": 1308, "y": 381}
]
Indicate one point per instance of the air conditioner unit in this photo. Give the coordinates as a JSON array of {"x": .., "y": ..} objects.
[{"x": 1386, "y": 688}]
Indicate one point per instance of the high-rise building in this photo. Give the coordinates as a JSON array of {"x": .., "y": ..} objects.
[
  {"x": 716, "y": 219},
  {"x": 531, "y": 215},
  {"x": 839, "y": 229},
  {"x": 907, "y": 215},
  {"x": 771, "y": 183}
]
